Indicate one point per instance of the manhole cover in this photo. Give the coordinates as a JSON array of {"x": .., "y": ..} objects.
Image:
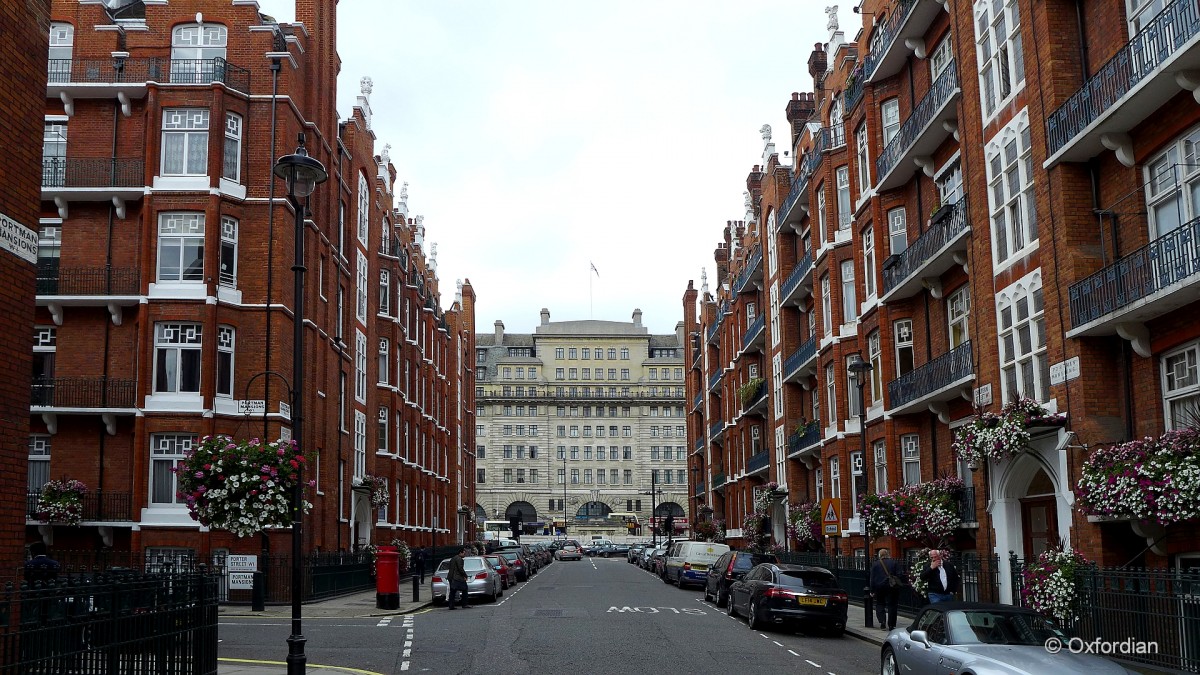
[{"x": 548, "y": 612}]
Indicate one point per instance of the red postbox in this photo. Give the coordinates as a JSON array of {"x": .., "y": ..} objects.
[{"x": 387, "y": 578}]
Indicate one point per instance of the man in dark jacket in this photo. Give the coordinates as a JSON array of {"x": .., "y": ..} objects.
[
  {"x": 886, "y": 580},
  {"x": 456, "y": 581},
  {"x": 941, "y": 578},
  {"x": 40, "y": 567}
]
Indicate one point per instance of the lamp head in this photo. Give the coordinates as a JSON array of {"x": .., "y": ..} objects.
[
  {"x": 301, "y": 173},
  {"x": 858, "y": 367}
]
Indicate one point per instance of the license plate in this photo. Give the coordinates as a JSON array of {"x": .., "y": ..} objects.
[
  {"x": 699, "y": 568},
  {"x": 815, "y": 602}
]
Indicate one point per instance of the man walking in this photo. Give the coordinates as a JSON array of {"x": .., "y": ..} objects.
[
  {"x": 886, "y": 580},
  {"x": 40, "y": 567},
  {"x": 941, "y": 578},
  {"x": 457, "y": 580}
]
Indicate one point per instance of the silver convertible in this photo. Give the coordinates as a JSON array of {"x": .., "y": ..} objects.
[{"x": 971, "y": 638}]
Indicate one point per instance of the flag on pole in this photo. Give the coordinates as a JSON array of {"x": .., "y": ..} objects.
[{"x": 594, "y": 268}]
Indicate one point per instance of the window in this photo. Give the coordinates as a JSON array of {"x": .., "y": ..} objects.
[
  {"x": 185, "y": 142},
  {"x": 54, "y": 153},
  {"x": 830, "y": 396},
  {"x": 627, "y": 479},
  {"x": 364, "y": 208},
  {"x": 384, "y": 359},
  {"x": 858, "y": 486},
  {"x": 360, "y": 366},
  {"x": 385, "y": 292},
  {"x": 227, "y": 275},
  {"x": 889, "y": 110},
  {"x": 958, "y": 309},
  {"x": 998, "y": 45},
  {"x": 166, "y": 452},
  {"x": 875, "y": 356},
  {"x": 195, "y": 49},
  {"x": 1181, "y": 393},
  {"x": 822, "y": 231},
  {"x": 231, "y": 162},
  {"x": 508, "y": 475},
  {"x": 360, "y": 290},
  {"x": 1173, "y": 185},
  {"x": 341, "y": 312},
  {"x": 225, "y": 345},
  {"x": 360, "y": 443},
  {"x": 381, "y": 430},
  {"x": 903, "y": 335},
  {"x": 612, "y": 354},
  {"x": 862, "y": 159},
  {"x": 177, "y": 357},
  {"x": 560, "y": 373},
  {"x": 1010, "y": 193},
  {"x": 843, "y": 197},
  {"x": 849, "y": 301},
  {"x": 181, "y": 247},
  {"x": 826, "y": 306},
  {"x": 559, "y": 353},
  {"x": 835, "y": 477},
  {"x": 897, "y": 231},
  {"x": 853, "y": 397},
  {"x": 62, "y": 42},
  {"x": 342, "y": 402},
  {"x": 910, "y": 446},
  {"x": 820, "y": 485},
  {"x": 880, "y": 451},
  {"x": 940, "y": 59},
  {"x": 574, "y": 476},
  {"x": 950, "y": 182},
  {"x": 39, "y": 462},
  {"x": 1024, "y": 365},
  {"x": 624, "y": 373},
  {"x": 480, "y": 475},
  {"x": 868, "y": 242}
]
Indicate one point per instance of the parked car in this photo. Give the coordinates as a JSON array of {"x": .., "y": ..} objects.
[
  {"x": 508, "y": 573},
  {"x": 614, "y": 550},
  {"x": 657, "y": 562},
  {"x": 532, "y": 565},
  {"x": 688, "y": 561},
  {"x": 517, "y": 560},
  {"x": 569, "y": 552},
  {"x": 985, "y": 639},
  {"x": 773, "y": 594},
  {"x": 730, "y": 567},
  {"x": 634, "y": 552},
  {"x": 646, "y": 561},
  {"x": 482, "y": 580}
]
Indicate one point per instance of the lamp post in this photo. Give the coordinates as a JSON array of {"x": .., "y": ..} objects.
[
  {"x": 653, "y": 506},
  {"x": 859, "y": 371},
  {"x": 302, "y": 174},
  {"x": 564, "y": 501}
]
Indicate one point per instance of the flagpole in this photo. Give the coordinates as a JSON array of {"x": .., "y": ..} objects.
[{"x": 589, "y": 273}]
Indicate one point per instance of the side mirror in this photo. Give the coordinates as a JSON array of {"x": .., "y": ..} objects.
[{"x": 921, "y": 637}]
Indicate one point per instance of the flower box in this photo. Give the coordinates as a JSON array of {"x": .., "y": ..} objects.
[
  {"x": 1151, "y": 481},
  {"x": 61, "y": 501},
  {"x": 998, "y": 437},
  {"x": 928, "y": 512}
]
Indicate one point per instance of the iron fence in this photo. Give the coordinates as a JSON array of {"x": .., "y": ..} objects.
[
  {"x": 98, "y": 505},
  {"x": 92, "y": 172},
  {"x": 113, "y": 70},
  {"x": 82, "y": 392},
  {"x": 939, "y": 373},
  {"x": 927, "y": 246},
  {"x": 757, "y": 462},
  {"x": 754, "y": 332},
  {"x": 887, "y": 36},
  {"x": 98, "y": 281},
  {"x": 802, "y": 440},
  {"x": 207, "y": 71},
  {"x": 1159, "y": 606},
  {"x": 121, "y": 622}
]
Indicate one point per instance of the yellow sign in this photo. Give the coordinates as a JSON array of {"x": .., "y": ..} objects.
[{"x": 831, "y": 516}]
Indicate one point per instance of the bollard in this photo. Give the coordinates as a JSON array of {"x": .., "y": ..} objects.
[
  {"x": 416, "y": 590},
  {"x": 258, "y": 593},
  {"x": 868, "y": 608}
]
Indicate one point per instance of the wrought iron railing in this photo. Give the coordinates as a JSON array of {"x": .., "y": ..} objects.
[
  {"x": 699, "y": 398},
  {"x": 98, "y": 505},
  {"x": 755, "y": 397},
  {"x": 887, "y": 36},
  {"x": 207, "y": 71},
  {"x": 106, "y": 71},
  {"x": 1144, "y": 605},
  {"x": 62, "y": 172},
  {"x": 744, "y": 278},
  {"x": 716, "y": 428},
  {"x": 699, "y": 444},
  {"x": 1154, "y": 44},
  {"x": 712, "y": 330},
  {"x": 714, "y": 380},
  {"x": 1172, "y": 258},
  {"x": 82, "y": 392},
  {"x": 926, "y": 246},
  {"x": 854, "y": 88},
  {"x": 99, "y": 281},
  {"x": 837, "y": 135},
  {"x": 980, "y": 576},
  {"x": 802, "y": 268},
  {"x": 758, "y": 461},
  {"x": 802, "y": 440},
  {"x": 718, "y": 480},
  {"x": 966, "y": 505},
  {"x": 937, "y": 96},
  {"x": 754, "y": 331},
  {"x": 939, "y": 373},
  {"x": 699, "y": 488},
  {"x": 803, "y": 353}
]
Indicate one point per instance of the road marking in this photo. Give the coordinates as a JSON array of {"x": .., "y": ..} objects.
[
  {"x": 404, "y": 665},
  {"x": 776, "y": 643},
  {"x": 408, "y": 643},
  {"x": 793, "y": 653},
  {"x": 408, "y": 654},
  {"x": 764, "y": 636},
  {"x": 814, "y": 665},
  {"x": 311, "y": 665},
  {"x": 383, "y": 623}
]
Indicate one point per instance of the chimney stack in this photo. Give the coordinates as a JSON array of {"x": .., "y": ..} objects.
[
  {"x": 637, "y": 318},
  {"x": 499, "y": 332},
  {"x": 545, "y": 316}
]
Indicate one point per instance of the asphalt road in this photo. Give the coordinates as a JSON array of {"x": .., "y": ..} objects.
[{"x": 592, "y": 616}]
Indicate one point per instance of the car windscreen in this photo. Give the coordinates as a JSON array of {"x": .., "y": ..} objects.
[
  {"x": 817, "y": 581},
  {"x": 495, "y": 560},
  {"x": 511, "y": 556},
  {"x": 1000, "y": 628},
  {"x": 747, "y": 560},
  {"x": 473, "y": 564}
]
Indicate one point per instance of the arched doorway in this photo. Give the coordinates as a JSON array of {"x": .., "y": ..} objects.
[
  {"x": 668, "y": 509},
  {"x": 1039, "y": 515},
  {"x": 523, "y": 511},
  {"x": 593, "y": 511},
  {"x": 677, "y": 514}
]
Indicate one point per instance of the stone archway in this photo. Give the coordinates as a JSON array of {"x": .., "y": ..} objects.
[
  {"x": 593, "y": 511},
  {"x": 523, "y": 510}
]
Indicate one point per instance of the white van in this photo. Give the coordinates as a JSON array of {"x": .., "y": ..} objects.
[{"x": 688, "y": 561}]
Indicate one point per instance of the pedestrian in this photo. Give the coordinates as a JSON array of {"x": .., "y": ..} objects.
[
  {"x": 40, "y": 567},
  {"x": 941, "y": 578},
  {"x": 419, "y": 563},
  {"x": 886, "y": 580},
  {"x": 457, "y": 579}
]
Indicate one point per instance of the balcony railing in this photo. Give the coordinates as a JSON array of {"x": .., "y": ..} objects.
[
  {"x": 718, "y": 480},
  {"x": 938, "y": 96},
  {"x": 1156, "y": 43},
  {"x": 207, "y": 71},
  {"x": 699, "y": 398},
  {"x": 716, "y": 429},
  {"x": 97, "y": 506},
  {"x": 98, "y": 281},
  {"x": 754, "y": 264},
  {"x": 837, "y": 135},
  {"x": 106, "y": 71},
  {"x": 803, "y": 354},
  {"x": 927, "y": 248},
  {"x": 699, "y": 444},
  {"x": 800, "y": 441},
  {"x": 1154, "y": 268},
  {"x": 887, "y": 36},
  {"x": 714, "y": 380},
  {"x": 82, "y": 392},
  {"x": 61, "y": 172},
  {"x": 940, "y": 373},
  {"x": 966, "y": 505},
  {"x": 854, "y": 89},
  {"x": 801, "y": 270},
  {"x": 753, "y": 403},
  {"x": 712, "y": 331},
  {"x": 757, "y": 462},
  {"x": 754, "y": 332},
  {"x": 699, "y": 488}
]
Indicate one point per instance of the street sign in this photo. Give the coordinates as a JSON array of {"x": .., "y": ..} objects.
[
  {"x": 241, "y": 563},
  {"x": 241, "y": 581},
  {"x": 831, "y": 516},
  {"x": 251, "y": 407},
  {"x": 1064, "y": 371}
]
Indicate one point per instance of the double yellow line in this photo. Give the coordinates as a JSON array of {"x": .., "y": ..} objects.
[{"x": 311, "y": 665}]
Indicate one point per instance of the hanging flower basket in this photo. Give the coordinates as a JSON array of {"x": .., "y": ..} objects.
[
  {"x": 705, "y": 530},
  {"x": 927, "y": 512},
  {"x": 1000, "y": 436},
  {"x": 378, "y": 488},
  {"x": 241, "y": 486},
  {"x": 804, "y": 526},
  {"x": 1052, "y": 584},
  {"x": 1152, "y": 479},
  {"x": 61, "y": 501}
]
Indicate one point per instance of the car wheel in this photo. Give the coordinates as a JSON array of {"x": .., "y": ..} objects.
[
  {"x": 752, "y": 616},
  {"x": 679, "y": 581},
  {"x": 887, "y": 664},
  {"x": 729, "y": 608},
  {"x": 706, "y": 594},
  {"x": 836, "y": 632},
  {"x": 722, "y": 597}
]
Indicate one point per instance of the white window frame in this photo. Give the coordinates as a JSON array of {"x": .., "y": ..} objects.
[
  {"x": 862, "y": 159},
  {"x": 231, "y": 158},
  {"x": 1000, "y": 57},
  {"x": 822, "y": 217},
  {"x": 185, "y": 231},
  {"x": 360, "y": 366},
  {"x": 385, "y": 292},
  {"x": 910, "y": 448},
  {"x": 889, "y": 114},
  {"x": 897, "y": 231},
  {"x": 826, "y": 306},
  {"x": 186, "y": 128},
  {"x": 875, "y": 357},
  {"x": 384, "y": 365},
  {"x": 226, "y": 346},
  {"x": 176, "y": 341},
  {"x": 831, "y": 395},
  {"x": 879, "y": 453},
  {"x": 227, "y": 260},
  {"x": 845, "y": 212},
  {"x": 869, "y": 281},
  {"x": 849, "y": 292},
  {"x": 360, "y": 307},
  {"x": 168, "y": 448},
  {"x": 940, "y": 58},
  {"x": 38, "y": 472},
  {"x": 902, "y": 335},
  {"x": 360, "y": 444},
  {"x": 835, "y": 477},
  {"x": 1181, "y": 386},
  {"x": 364, "y": 209},
  {"x": 1013, "y": 215},
  {"x": 1024, "y": 363},
  {"x": 958, "y": 316},
  {"x": 1172, "y": 179}
]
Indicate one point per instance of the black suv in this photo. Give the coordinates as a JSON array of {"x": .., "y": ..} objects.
[{"x": 730, "y": 567}]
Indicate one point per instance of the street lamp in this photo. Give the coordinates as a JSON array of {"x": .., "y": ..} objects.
[
  {"x": 302, "y": 174},
  {"x": 654, "y": 492},
  {"x": 564, "y": 501},
  {"x": 859, "y": 372}
]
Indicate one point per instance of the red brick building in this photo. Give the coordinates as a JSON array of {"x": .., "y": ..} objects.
[
  {"x": 165, "y": 305},
  {"x": 984, "y": 201}
]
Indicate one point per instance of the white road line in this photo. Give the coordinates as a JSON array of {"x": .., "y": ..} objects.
[
  {"x": 814, "y": 665},
  {"x": 763, "y": 635},
  {"x": 383, "y": 623},
  {"x": 404, "y": 665},
  {"x": 793, "y": 653},
  {"x": 408, "y": 643},
  {"x": 776, "y": 643},
  {"x": 408, "y": 654}
]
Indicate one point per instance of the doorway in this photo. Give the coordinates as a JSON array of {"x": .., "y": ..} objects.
[{"x": 1039, "y": 516}]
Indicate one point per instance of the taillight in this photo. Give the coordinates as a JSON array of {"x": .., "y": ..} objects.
[
  {"x": 841, "y": 596},
  {"x": 729, "y": 572},
  {"x": 516, "y": 563},
  {"x": 481, "y": 575},
  {"x": 437, "y": 580},
  {"x": 778, "y": 593}
]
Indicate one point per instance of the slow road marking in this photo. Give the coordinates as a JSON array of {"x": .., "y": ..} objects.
[{"x": 690, "y": 611}]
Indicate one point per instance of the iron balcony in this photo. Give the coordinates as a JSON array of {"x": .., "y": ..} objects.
[
  {"x": 718, "y": 481},
  {"x": 756, "y": 404},
  {"x": 904, "y": 32},
  {"x": 208, "y": 71},
  {"x": 716, "y": 429},
  {"x": 757, "y": 462},
  {"x": 940, "y": 248},
  {"x": 1151, "y": 281},
  {"x": 934, "y": 384},
  {"x": 747, "y": 280},
  {"x": 697, "y": 401},
  {"x": 795, "y": 205},
  {"x": 1130, "y": 87},
  {"x": 98, "y": 506},
  {"x": 966, "y": 508},
  {"x": 83, "y": 393},
  {"x": 795, "y": 282},
  {"x": 928, "y": 125},
  {"x": 714, "y": 382},
  {"x": 755, "y": 336},
  {"x": 801, "y": 362},
  {"x": 799, "y": 442},
  {"x": 87, "y": 281}
]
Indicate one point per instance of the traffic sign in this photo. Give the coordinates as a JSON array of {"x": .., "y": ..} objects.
[{"x": 831, "y": 516}]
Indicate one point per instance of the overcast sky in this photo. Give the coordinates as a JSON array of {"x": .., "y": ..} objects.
[{"x": 539, "y": 138}]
